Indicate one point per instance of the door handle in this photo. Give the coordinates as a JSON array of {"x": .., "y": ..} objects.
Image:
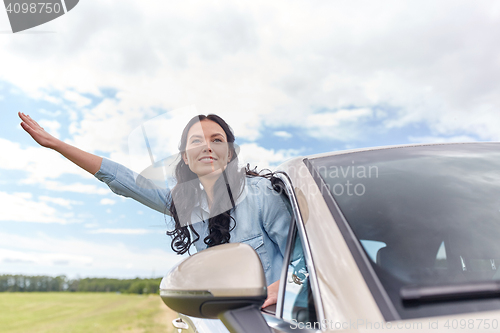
[{"x": 180, "y": 324}]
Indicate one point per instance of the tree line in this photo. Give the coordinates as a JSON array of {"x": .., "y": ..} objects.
[{"x": 24, "y": 283}]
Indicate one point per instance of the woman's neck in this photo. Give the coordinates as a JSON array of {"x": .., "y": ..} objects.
[{"x": 208, "y": 183}]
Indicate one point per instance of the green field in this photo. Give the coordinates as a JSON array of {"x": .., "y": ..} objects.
[{"x": 83, "y": 312}]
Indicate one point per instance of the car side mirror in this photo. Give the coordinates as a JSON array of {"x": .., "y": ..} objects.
[{"x": 225, "y": 281}]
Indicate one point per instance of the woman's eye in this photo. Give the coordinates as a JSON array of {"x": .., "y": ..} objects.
[
  {"x": 217, "y": 140},
  {"x": 196, "y": 141}
]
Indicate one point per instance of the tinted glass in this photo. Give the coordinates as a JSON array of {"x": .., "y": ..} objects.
[{"x": 426, "y": 215}]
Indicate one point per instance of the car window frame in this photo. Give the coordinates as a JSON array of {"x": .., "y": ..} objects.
[{"x": 297, "y": 227}]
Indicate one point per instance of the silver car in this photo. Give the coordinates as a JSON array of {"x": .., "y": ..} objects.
[{"x": 386, "y": 239}]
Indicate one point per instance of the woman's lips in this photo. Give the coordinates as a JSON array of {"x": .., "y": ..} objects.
[{"x": 207, "y": 159}]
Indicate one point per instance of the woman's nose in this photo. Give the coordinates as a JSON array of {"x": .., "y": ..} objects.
[{"x": 208, "y": 148}]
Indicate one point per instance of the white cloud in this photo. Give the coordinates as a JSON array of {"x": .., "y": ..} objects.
[
  {"x": 440, "y": 139},
  {"x": 107, "y": 201},
  {"x": 264, "y": 158},
  {"x": 60, "y": 201},
  {"x": 44, "y": 253},
  {"x": 163, "y": 133},
  {"x": 121, "y": 231},
  {"x": 73, "y": 187},
  {"x": 336, "y": 118},
  {"x": 40, "y": 163},
  {"x": 340, "y": 125},
  {"x": 45, "y": 259},
  {"x": 283, "y": 134},
  {"x": 43, "y": 165},
  {"x": 20, "y": 207},
  {"x": 79, "y": 100},
  {"x": 50, "y": 113}
]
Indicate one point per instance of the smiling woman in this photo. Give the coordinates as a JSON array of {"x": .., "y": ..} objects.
[
  {"x": 207, "y": 150},
  {"x": 213, "y": 202}
]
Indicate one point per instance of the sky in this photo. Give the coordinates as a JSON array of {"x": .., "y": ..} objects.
[{"x": 292, "y": 78}]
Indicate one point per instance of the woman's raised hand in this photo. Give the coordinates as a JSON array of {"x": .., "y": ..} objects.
[
  {"x": 87, "y": 161},
  {"x": 37, "y": 132}
]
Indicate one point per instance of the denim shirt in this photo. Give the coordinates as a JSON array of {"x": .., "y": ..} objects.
[{"x": 262, "y": 215}]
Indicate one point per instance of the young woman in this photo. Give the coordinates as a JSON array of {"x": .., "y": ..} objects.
[{"x": 213, "y": 202}]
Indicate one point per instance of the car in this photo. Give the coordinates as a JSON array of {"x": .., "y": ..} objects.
[{"x": 388, "y": 239}]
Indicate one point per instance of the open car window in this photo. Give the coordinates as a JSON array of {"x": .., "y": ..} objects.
[{"x": 298, "y": 302}]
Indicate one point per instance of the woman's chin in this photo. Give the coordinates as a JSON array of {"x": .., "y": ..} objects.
[{"x": 209, "y": 173}]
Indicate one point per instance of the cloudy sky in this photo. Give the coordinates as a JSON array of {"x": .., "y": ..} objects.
[{"x": 290, "y": 77}]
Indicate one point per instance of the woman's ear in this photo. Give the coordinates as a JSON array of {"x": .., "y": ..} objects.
[
  {"x": 184, "y": 157},
  {"x": 230, "y": 155}
]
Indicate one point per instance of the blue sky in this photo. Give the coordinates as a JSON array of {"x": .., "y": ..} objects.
[{"x": 291, "y": 78}]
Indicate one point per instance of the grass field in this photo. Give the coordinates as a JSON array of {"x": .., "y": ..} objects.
[{"x": 83, "y": 313}]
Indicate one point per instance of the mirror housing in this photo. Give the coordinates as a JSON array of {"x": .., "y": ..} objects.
[{"x": 221, "y": 278}]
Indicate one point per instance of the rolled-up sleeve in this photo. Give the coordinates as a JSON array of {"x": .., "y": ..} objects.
[{"x": 127, "y": 183}]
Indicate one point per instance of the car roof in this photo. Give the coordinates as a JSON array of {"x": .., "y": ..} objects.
[
  {"x": 294, "y": 162},
  {"x": 357, "y": 150}
]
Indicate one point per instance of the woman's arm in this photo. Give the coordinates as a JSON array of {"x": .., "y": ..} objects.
[
  {"x": 87, "y": 161},
  {"x": 277, "y": 219},
  {"x": 119, "y": 179},
  {"x": 123, "y": 181}
]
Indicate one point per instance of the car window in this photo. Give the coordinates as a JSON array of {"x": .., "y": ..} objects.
[{"x": 298, "y": 303}]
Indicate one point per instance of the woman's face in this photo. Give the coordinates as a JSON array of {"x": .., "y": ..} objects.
[{"x": 207, "y": 152}]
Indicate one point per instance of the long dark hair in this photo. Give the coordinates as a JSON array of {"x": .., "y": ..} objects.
[{"x": 188, "y": 189}]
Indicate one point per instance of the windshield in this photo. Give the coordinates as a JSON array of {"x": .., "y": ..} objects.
[{"x": 425, "y": 215}]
